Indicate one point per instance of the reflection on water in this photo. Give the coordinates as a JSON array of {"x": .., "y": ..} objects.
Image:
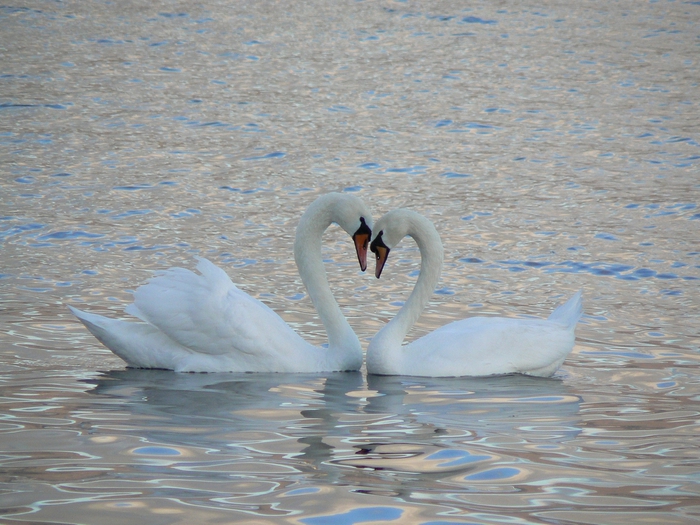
[
  {"x": 555, "y": 147},
  {"x": 130, "y": 443},
  {"x": 146, "y": 439}
]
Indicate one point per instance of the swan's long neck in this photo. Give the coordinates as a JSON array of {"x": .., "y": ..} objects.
[
  {"x": 307, "y": 254},
  {"x": 385, "y": 347}
]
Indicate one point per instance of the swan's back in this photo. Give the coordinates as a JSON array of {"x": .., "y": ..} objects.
[{"x": 480, "y": 346}]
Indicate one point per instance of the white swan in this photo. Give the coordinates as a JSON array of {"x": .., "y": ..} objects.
[
  {"x": 476, "y": 346},
  {"x": 203, "y": 323}
]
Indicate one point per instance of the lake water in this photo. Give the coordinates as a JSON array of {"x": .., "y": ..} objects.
[{"x": 554, "y": 145}]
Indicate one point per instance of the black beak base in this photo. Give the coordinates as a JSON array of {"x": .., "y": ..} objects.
[
  {"x": 381, "y": 251},
  {"x": 361, "y": 239}
]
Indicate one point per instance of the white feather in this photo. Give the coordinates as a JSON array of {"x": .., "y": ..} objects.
[
  {"x": 477, "y": 346},
  {"x": 201, "y": 322}
]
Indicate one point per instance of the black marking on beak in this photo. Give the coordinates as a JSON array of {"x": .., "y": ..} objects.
[
  {"x": 381, "y": 251},
  {"x": 361, "y": 239}
]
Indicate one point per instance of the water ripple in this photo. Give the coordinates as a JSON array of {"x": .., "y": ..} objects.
[{"x": 619, "y": 271}]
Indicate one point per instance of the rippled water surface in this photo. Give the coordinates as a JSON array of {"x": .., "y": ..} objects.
[{"x": 554, "y": 145}]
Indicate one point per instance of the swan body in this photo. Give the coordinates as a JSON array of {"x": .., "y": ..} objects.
[
  {"x": 476, "y": 346},
  {"x": 203, "y": 323}
]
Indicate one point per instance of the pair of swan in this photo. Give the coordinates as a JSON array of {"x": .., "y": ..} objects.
[{"x": 203, "y": 323}]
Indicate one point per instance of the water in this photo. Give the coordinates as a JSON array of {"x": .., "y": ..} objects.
[{"x": 554, "y": 146}]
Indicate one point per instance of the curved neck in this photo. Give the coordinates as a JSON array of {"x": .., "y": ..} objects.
[
  {"x": 389, "y": 338},
  {"x": 307, "y": 254}
]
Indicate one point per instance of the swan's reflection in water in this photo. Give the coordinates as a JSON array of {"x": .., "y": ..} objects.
[
  {"x": 432, "y": 425},
  {"x": 333, "y": 424}
]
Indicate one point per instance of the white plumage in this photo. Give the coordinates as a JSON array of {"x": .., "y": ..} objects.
[
  {"x": 477, "y": 346},
  {"x": 204, "y": 323}
]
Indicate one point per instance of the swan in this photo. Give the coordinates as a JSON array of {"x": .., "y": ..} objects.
[
  {"x": 204, "y": 323},
  {"x": 476, "y": 346}
]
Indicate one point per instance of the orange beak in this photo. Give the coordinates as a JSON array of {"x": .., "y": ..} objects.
[
  {"x": 382, "y": 252},
  {"x": 361, "y": 244},
  {"x": 361, "y": 239}
]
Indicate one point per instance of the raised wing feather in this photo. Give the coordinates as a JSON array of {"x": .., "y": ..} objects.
[{"x": 208, "y": 314}]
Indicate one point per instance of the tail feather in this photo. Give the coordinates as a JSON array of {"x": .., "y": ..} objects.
[
  {"x": 139, "y": 344},
  {"x": 570, "y": 312}
]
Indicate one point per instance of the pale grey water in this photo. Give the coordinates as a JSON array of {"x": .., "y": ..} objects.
[{"x": 554, "y": 145}]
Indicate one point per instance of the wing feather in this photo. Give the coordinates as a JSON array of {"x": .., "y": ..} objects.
[{"x": 207, "y": 313}]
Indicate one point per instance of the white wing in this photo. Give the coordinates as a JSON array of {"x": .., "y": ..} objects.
[{"x": 208, "y": 314}]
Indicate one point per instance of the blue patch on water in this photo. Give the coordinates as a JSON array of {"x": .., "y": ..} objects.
[
  {"x": 409, "y": 169},
  {"x": 454, "y": 175},
  {"x": 455, "y": 457},
  {"x": 16, "y": 230},
  {"x": 184, "y": 214},
  {"x": 369, "y": 165},
  {"x": 441, "y": 18},
  {"x": 59, "y": 236},
  {"x": 353, "y": 516},
  {"x": 134, "y": 187},
  {"x": 157, "y": 451},
  {"x": 144, "y": 248},
  {"x": 352, "y": 189},
  {"x": 273, "y": 155},
  {"x": 476, "y": 20},
  {"x": 299, "y": 492},
  {"x": 640, "y": 273},
  {"x": 494, "y": 474},
  {"x": 671, "y": 292},
  {"x": 616, "y": 270},
  {"x": 634, "y": 355}
]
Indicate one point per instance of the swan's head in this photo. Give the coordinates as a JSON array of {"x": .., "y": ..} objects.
[
  {"x": 388, "y": 232},
  {"x": 354, "y": 217},
  {"x": 352, "y": 214},
  {"x": 345, "y": 210}
]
